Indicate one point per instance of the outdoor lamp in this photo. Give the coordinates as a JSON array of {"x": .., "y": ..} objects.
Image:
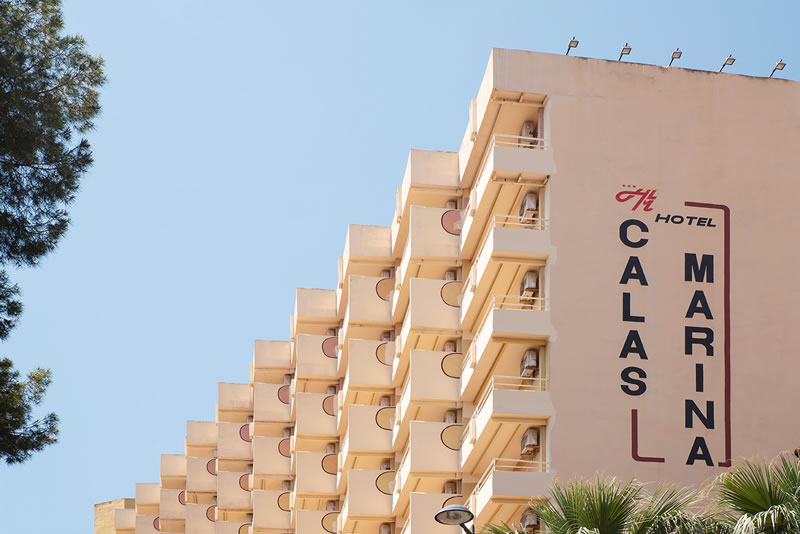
[
  {"x": 778, "y": 66},
  {"x": 675, "y": 55},
  {"x": 625, "y": 51},
  {"x": 728, "y": 61},
  {"x": 455, "y": 514},
  {"x": 573, "y": 43}
]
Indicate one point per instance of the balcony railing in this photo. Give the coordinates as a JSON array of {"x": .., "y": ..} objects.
[
  {"x": 499, "y": 382},
  {"x": 508, "y": 141},
  {"x": 505, "y": 482}
]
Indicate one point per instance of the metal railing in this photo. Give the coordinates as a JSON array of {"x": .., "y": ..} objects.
[
  {"x": 500, "y": 221},
  {"x": 511, "y": 141},
  {"x": 501, "y": 382},
  {"x": 520, "y": 141},
  {"x": 517, "y": 302},
  {"x": 519, "y": 221},
  {"x": 509, "y": 464}
]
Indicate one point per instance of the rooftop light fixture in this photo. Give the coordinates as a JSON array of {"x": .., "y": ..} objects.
[
  {"x": 778, "y": 66},
  {"x": 728, "y": 61},
  {"x": 573, "y": 43},
  {"x": 626, "y": 50},
  {"x": 455, "y": 514},
  {"x": 675, "y": 55}
]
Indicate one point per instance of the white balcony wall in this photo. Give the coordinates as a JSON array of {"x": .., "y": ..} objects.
[
  {"x": 312, "y": 417},
  {"x": 433, "y": 233},
  {"x": 272, "y": 354},
  {"x": 271, "y": 456},
  {"x": 200, "y": 474},
  {"x": 146, "y": 524},
  {"x": 171, "y": 506},
  {"x": 124, "y": 519},
  {"x": 233, "y": 490},
  {"x": 231, "y": 442},
  {"x": 200, "y": 519},
  {"x": 271, "y": 403},
  {"x": 311, "y": 478},
  {"x": 434, "y": 304},
  {"x": 316, "y": 356},
  {"x": 370, "y": 300},
  {"x": 271, "y": 510}
]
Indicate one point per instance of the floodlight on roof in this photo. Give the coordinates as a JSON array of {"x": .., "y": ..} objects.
[
  {"x": 728, "y": 61},
  {"x": 675, "y": 55},
  {"x": 626, "y": 50},
  {"x": 778, "y": 66},
  {"x": 573, "y": 43}
]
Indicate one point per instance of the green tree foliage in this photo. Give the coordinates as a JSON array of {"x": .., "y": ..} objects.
[
  {"x": 755, "y": 497},
  {"x": 48, "y": 100},
  {"x": 20, "y": 434},
  {"x": 764, "y": 497}
]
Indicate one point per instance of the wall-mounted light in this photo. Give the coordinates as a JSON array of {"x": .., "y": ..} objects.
[
  {"x": 728, "y": 61},
  {"x": 675, "y": 55},
  {"x": 573, "y": 43},
  {"x": 626, "y": 50},
  {"x": 778, "y": 66}
]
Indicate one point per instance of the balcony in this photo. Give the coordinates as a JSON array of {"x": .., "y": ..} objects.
[
  {"x": 431, "y": 458},
  {"x": 431, "y": 389},
  {"x": 316, "y": 357},
  {"x": 271, "y": 405},
  {"x": 433, "y": 314},
  {"x": 510, "y": 247},
  {"x": 315, "y": 414},
  {"x": 510, "y": 324},
  {"x": 508, "y": 406},
  {"x": 431, "y": 179},
  {"x": 368, "y": 370},
  {"x": 432, "y": 249},
  {"x": 148, "y": 499},
  {"x": 201, "y": 438},
  {"x": 368, "y": 498},
  {"x": 315, "y": 474},
  {"x": 506, "y": 488},
  {"x": 271, "y": 360},
  {"x": 421, "y": 509},
  {"x": 314, "y": 311},
  {"x": 172, "y": 506},
  {"x": 367, "y": 252},
  {"x": 271, "y": 462},
  {"x": 234, "y": 402},
  {"x": 234, "y": 441},
  {"x": 147, "y": 524},
  {"x": 316, "y": 521},
  {"x": 233, "y": 491},
  {"x": 509, "y": 160},
  {"x": 231, "y": 527},
  {"x": 369, "y": 307},
  {"x": 369, "y": 433},
  {"x": 201, "y": 475},
  {"x": 272, "y": 511},
  {"x": 125, "y": 520},
  {"x": 173, "y": 471},
  {"x": 200, "y": 518}
]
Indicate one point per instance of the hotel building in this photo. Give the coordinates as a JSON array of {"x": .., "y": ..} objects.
[{"x": 602, "y": 278}]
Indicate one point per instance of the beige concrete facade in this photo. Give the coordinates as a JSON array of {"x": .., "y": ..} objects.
[{"x": 600, "y": 279}]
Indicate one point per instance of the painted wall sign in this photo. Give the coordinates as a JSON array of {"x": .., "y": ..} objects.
[{"x": 701, "y": 391}]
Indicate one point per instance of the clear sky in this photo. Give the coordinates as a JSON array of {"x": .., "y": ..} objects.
[{"x": 237, "y": 141}]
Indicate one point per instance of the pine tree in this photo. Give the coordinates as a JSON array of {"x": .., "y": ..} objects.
[{"x": 48, "y": 100}]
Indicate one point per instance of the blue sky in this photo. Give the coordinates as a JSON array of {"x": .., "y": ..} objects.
[{"x": 237, "y": 141}]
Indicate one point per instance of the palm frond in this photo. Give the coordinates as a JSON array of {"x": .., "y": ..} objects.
[
  {"x": 750, "y": 488},
  {"x": 777, "y": 519}
]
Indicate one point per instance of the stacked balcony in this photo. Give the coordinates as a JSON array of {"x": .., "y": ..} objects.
[{"x": 408, "y": 387}]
